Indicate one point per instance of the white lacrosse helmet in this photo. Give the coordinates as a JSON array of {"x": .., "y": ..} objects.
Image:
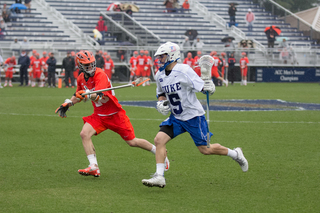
[{"x": 173, "y": 52}]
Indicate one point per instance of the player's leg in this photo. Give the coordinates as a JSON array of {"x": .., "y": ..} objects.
[
  {"x": 86, "y": 134},
  {"x": 158, "y": 179}
]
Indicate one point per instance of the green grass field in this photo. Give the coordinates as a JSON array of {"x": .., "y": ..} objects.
[{"x": 40, "y": 154}]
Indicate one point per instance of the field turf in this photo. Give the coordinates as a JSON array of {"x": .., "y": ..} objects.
[{"x": 40, "y": 154}]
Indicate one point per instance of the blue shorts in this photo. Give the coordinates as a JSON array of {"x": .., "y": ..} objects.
[{"x": 196, "y": 127}]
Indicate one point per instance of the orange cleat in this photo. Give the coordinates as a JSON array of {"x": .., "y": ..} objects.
[{"x": 91, "y": 170}]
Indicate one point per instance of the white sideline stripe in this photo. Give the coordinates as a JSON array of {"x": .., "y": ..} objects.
[{"x": 211, "y": 121}]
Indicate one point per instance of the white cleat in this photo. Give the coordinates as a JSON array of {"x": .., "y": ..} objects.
[
  {"x": 156, "y": 180},
  {"x": 241, "y": 160},
  {"x": 167, "y": 164},
  {"x": 227, "y": 83}
]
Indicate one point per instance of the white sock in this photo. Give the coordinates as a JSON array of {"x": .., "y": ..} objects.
[
  {"x": 160, "y": 168},
  {"x": 92, "y": 159},
  {"x": 153, "y": 150},
  {"x": 233, "y": 154}
]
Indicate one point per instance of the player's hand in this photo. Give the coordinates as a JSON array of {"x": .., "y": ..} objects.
[
  {"x": 64, "y": 108},
  {"x": 80, "y": 95},
  {"x": 145, "y": 68},
  {"x": 209, "y": 87},
  {"x": 163, "y": 107}
]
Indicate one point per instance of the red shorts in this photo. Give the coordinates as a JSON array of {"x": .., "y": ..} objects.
[
  {"x": 214, "y": 73},
  {"x": 119, "y": 123},
  {"x": 37, "y": 74},
  {"x": 139, "y": 71},
  {"x": 244, "y": 71},
  {"x": 9, "y": 74}
]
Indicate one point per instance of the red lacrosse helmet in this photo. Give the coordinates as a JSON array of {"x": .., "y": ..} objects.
[
  {"x": 13, "y": 58},
  {"x": 141, "y": 52},
  {"x": 108, "y": 57},
  {"x": 189, "y": 55},
  {"x": 243, "y": 53},
  {"x": 86, "y": 62},
  {"x": 223, "y": 54},
  {"x": 135, "y": 53},
  {"x": 44, "y": 53},
  {"x": 213, "y": 53},
  {"x": 146, "y": 52},
  {"x": 199, "y": 53}
]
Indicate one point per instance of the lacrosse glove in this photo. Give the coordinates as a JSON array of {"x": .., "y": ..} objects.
[
  {"x": 208, "y": 87},
  {"x": 163, "y": 107},
  {"x": 64, "y": 108}
]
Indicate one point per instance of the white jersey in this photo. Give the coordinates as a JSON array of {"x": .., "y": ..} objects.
[{"x": 180, "y": 88}]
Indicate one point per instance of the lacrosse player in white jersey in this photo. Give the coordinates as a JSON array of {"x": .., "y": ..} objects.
[{"x": 177, "y": 85}]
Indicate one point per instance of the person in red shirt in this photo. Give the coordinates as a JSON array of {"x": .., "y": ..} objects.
[
  {"x": 189, "y": 60},
  {"x": 102, "y": 27},
  {"x": 244, "y": 61},
  {"x": 32, "y": 57},
  {"x": 9, "y": 69},
  {"x": 214, "y": 69},
  {"x": 196, "y": 63},
  {"x": 147, "y": 73},
  {"x": 36, "y": 65},
  {"x": 133, "y": 65},
  {"x": 141, "y": 64},
  {"x": 44, "y": 74},
  {"x": 156, "y": 65},
  {"x": 107, "y": 113},
  {"x": 109, "y": 67},
  {"x": 186, "y": 5}
]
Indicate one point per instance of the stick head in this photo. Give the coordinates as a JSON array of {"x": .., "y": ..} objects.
[
  {"x": 140, "y": 81},
  {"x": 205, "y": 63}
]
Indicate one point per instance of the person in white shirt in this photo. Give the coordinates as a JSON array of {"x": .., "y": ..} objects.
[
  {"x": 177, "y": 85},
  {"x": 198, "y": 44}
]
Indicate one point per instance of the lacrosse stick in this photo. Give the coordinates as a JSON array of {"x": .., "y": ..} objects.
[
  {"x": 206, "y": 63},
  {"x": 136, "y": 83}
]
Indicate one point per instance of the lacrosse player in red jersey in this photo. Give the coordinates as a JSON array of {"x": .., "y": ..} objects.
[
  {"x": 196, "y": 63},
  {"x": 214, "y": 70},
  {"x": 133, "y": 65},
  {"x": 148, "y": 66},
  {"x": 36, "y": 65},
  {"x": 108, "y": 113},
  {"x": 141, "y": 64},
  {"x": 244, "y": 61},
  {"x": 189, "y": 60},
  {"x": 177, "y": 85},
  {"x": 108, "y": 66},
  {"x": 9, "y": 65}
]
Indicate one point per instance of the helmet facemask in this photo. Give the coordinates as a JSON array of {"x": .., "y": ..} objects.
[{"x": 89, "y": 69}]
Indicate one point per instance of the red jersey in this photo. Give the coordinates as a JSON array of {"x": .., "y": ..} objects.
[
  {"x": 109, "y": 104},
  {"x": 108, "y": 66},
  {"x": 243, "y": 62},
  {"x": 36, "y": 65},
  {"x": 10, "y": 64},
  {"x": 44, "y": 62},
  {"x": 188, "y": 61},
  {"x": 156, "y": 64},
  {"x": 133, "y": 62},
  {"x": 142, "y": 61},
  {"x": 197, "y": 68}
]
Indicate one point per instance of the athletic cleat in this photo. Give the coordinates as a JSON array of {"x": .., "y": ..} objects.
[
  {"x": 241, "y": 160},
  {"x": 156, "y": 180},
  {"x": 167, "y": 164},
  {"x": 91, "y": 170}
]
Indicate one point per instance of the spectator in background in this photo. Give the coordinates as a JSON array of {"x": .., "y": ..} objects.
[
  {"x": 68, "y": 66},
  {"x": 185, "y": 46},
  {"x": 121, "y": 54},
  {"x": 229, "y": 46},
  {"x": 24, "y": 62},
  {"x": 102, "y": 28},
  {"x": 250, "y": 19},
  {"x": 25, "y": 44},
  {"x": 186, "y": 5},
  {"x": 28, "y": 5},
  {"x": 99, "y": 60},
  {"x": 51, "y": 70},
  {"x": 129, "y": 11},
  {"x": 198, "y": 45},
  {"x": 231, "y": 68},
  {"x": 3, "y": 26},
  {"x": 9, "y": 69},
  {"x": 271, "y": 36},
  {"x": 169, "y": 6},
  {"x": 15, "y": 45},
  {"x": 232, "y": 14},
  {"x": 5, "y": 12},
  {"x": 244, "y": 47},
  {"x": 97, "y": 36}
]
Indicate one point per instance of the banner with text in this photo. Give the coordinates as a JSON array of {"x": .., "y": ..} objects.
[{"x": 284, "y": 74}]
